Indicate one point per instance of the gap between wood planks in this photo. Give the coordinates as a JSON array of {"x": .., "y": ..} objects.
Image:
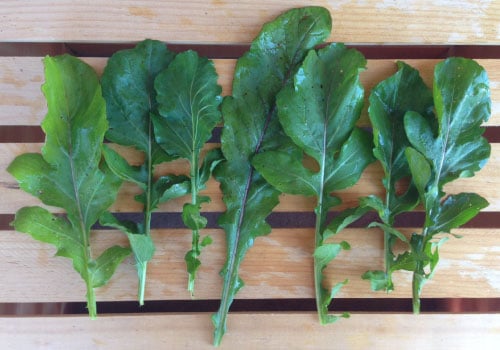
[
  {"x": 34, "y": 134},
  {"x": 370, "y": 51},
  {"x": 171, "y": 220},
  {"x": 376, "y": 305}
]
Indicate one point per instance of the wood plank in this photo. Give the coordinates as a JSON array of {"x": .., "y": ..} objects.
[
  {"x": 370, "y": 183},
  {"x": 278, "y": 266},
  {"x": 233, "y": 21},
  {"x": 21, "y": 98},
  {"x": 254, "y": 331},
  {"x": 22, "y": 102}
]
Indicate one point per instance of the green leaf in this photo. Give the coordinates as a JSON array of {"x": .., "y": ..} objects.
[
  {"x": 326, "y": 253},
  {"x": 463, "y": 103},
  {"x": 192, "y": 261},
  {"x": 70, "y": 173},
  {"x": 168, "y": 187},
  {"x": 192, "y": 218},
  {"x": 344, "y": 219},
  {"x": 189, "y": 112},
  {"x": 457, "y": 210},
  {"x": 129, "y": 227},
  {"x": 251, "y": 126},
  {"x": 143, "y": 245},
  {"x": 286, "y": 173},
  {"x": 454, "y": 149},
  {"x": 128, "y": 88},
  {"x": 58, "y": 231},
  {"x": 127, "y": 172},
  {"x": 372, "y": 202},
  {"x": 187, "y": 116},
  {"x": 405, "y": 261},
  {"x": 378, "y": 280},
  {"x": 389, "y": 229},
  {"x": 106, "y": 264},
  {"x": 213, "y": 158},
  {"x": 390, "y": 100},
  {"x": 327, "y": 298},
  {"x": 420, "y": 170},
  {"x": 319, "y": 113},
  {"x": 354, "y": 157},
  {"x": 207, "y": 240}
]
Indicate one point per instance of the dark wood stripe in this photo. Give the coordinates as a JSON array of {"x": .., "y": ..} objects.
[
  {"x": 39, "y": 49},
  {"x": 394, "y": 305},
  {"x": 21, "y": 134},
  {"x": 484, "y": 220},
  {"x": 34, "y": 134}
]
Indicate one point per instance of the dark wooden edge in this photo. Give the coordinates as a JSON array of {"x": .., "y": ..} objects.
[
  {"x": 371, "y": 51},
  {"x": 280, "y": 220},
  {"x": 34, "y": 134},
  {"x": 375, "y": 305}
]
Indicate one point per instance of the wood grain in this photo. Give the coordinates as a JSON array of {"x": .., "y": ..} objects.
[
  {"x": 22, "y": 102},
  {"x": 233, "y": 21},
  {"x": 278, "y": 266},
  {"x": 261, "y": 331}
]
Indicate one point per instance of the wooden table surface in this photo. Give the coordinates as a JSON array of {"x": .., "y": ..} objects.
[{"x": 278, "y": 269}]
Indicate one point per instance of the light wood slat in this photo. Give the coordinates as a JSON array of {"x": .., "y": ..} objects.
[
  {"x": 232, "y": 21},
  {"x": 278, "y": 266},
  {"x": 22, "y": 102},
  {"x": 254, "y": 331},
  {"x": 21, "y": 98},
  {"x": 486, "y": 183}
]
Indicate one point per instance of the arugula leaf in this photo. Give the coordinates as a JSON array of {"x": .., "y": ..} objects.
[
  {"x": 389, "y": 101},
  {"x": 187, "y": 116},
  {"x": 454, "y": 149},
  {"x": 128, "y": 88},
  {"x": 250, "y": 127},
  {"x": 319, "y": 113},
  {"x": 69, "y": 173}
]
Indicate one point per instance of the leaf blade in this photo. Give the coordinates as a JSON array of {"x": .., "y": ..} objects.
[
  {"x": 250, "y": 127},
  {"x": 69, "y": 173},
  {"x": 319, "y": 114}
]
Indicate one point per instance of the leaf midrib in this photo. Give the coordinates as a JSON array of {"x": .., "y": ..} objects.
[
  {"x": 232, "y": 260},
  {"x": 82, "y": 224}
]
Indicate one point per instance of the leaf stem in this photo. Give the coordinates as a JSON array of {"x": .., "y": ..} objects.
[
  {"x": 387, "y": 259},
  {"x": 318, "y": 273},
  {"x": 219, "y": 319},
  {"x": 419, "y": 274},
  {"x": 142, "y": 267},
  {"x": 416, "y": 287},
  {"x": 195, "y": 240},
  {"x": 91, "y": 301}
]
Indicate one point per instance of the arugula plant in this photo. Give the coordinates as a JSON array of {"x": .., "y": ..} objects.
[
  {"x": 439, "y": 155},
  {"x": 319, "y": 113},
  {"x": 389, "y": 101},
  {"x": 187, "y": 116},
  {"x": 70, "y": 173},
  {"x": 251, "y": 126},
  {"x": 128, "y": 88}
]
